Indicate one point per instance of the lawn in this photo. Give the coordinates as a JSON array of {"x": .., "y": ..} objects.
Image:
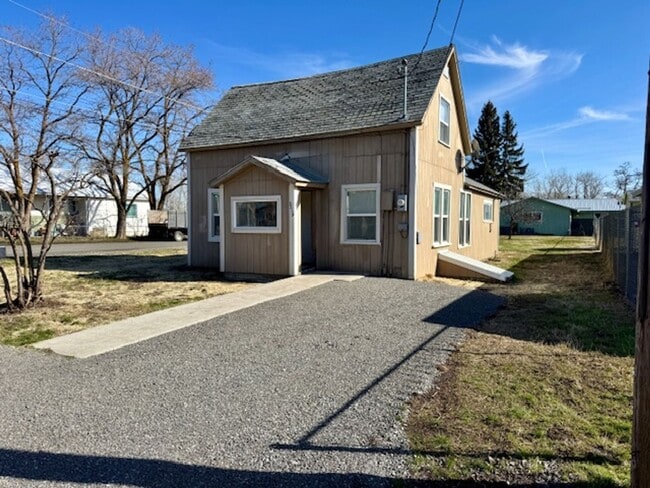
[
  {"x": 85, "y": 291},
  {"x": 542, "y": 392}
]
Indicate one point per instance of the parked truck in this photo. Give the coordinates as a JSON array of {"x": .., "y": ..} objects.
[{"x": 167, "y": 224}]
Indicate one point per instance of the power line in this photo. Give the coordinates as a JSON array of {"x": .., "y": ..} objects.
[
  {"x": 426, "y": 40},
  {"x": 453, "y": 32},
  {"x": 96, "y": 73}
]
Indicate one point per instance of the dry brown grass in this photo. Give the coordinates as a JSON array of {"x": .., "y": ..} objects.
[
  {"x": 542, "y": 393},
  {"x": 85, "y": 291}
]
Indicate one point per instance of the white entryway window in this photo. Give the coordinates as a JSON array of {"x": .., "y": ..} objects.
[
  {"x": 441, "y": 203},
  {"x": 214, "y": 215},
  {"x": 256, "y": 214},
  {"x": 360, "y": 214}
]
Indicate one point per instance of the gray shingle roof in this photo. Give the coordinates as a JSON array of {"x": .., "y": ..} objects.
[{"x": 342, "y": 101}]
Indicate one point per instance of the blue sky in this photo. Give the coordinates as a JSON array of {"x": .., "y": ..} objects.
[{"x": 572, "y": 73}]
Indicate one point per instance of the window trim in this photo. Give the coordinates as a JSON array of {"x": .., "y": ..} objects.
[
  {"x": 235, "y": 229},
  {"x": 211, "y": 214},
  {"x": 447, "y": 189},
  {"x": 440, "y": 121},
  {"x": 344, "y": 213},
  {"x": 490, "y": 204},
  {"x": 465, "y": 217}
]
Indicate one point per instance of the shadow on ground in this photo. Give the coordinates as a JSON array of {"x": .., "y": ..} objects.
[
  {"x": 155, "y": 473},
  {"x": 133, "y": 268}
]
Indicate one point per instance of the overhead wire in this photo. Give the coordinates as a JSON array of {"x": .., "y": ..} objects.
[
  {"x": 426, "y": 40},
  {"x": 453, "y": 32}
]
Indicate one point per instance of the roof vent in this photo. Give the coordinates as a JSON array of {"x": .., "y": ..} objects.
[{"x": 405, "y": 63}]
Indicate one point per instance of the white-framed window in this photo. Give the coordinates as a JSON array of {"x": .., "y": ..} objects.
[
  {"x": 441, "y": 204},
  {"x": 444, "y": 132},
  {"x": 465, "y": 214},
  {"x": 360, "y": 214},
  {"x": 214, "y": 215},
  {"x": 132, "y": 211},
  {"x": 488, "y": 210},
  {"x": 257, "y": 214}
]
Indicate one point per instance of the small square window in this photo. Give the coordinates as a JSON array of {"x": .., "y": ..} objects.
[
  {"x": 488, "y": 210},
  {"x": 132, "y": 211}
]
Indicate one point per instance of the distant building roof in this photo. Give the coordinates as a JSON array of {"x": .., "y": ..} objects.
[
  {"x": 580, "y": 204},
  {"x": 344, "y": 101},
  {"x": 590, "y": 204}
]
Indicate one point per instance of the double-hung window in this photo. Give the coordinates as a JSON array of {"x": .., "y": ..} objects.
[
  {"x": 256, "y": 214},
  {"x": 444, "y": 135},
  {"x": 214, "y": 215},
  {"x": 488, "y": 211},
  {"x": 360, "y": 214},
  {"x": 464, "y": 219},
  {"x": 441, "y": 202}
]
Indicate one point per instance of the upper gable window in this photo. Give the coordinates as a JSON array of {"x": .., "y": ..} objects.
[
  {"x": 445, "y": 72},
  {"x": 445, "y": 121}
]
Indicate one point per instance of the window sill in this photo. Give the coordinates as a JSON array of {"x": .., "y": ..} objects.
[
  {"x": 255, "y": 230},
  {"x": 361, "y": 243},
  {"x": 441, "y": 244},
  {"x": 446, "y": 144}
]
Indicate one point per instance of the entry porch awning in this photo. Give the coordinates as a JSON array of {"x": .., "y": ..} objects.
[{"x": 285, "y": 169}]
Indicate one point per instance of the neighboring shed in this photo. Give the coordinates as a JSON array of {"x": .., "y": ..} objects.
[
  {"x": 341, "y": 171},
  {"x": 570, "y": 216}
]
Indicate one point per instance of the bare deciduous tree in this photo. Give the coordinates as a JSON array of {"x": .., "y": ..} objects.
[
  {"x": 39, "y": 96},
  {"x": 557, "y": 184},
  {"x": 626, "y": 179},
  {"x": 589, "y": 184},
  {"x": 145, "y": 91}
]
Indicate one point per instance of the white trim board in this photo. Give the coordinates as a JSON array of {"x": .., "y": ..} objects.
[{"x": 475, "y": 265}]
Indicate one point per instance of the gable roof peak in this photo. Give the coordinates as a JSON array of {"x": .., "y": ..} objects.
[{"x": 343, "y": 101}]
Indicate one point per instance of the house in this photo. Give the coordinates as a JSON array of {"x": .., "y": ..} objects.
[
  {"x": 359, "y": 170},
  {"x": 86, "y": 212},
  {"x": 559, "y": 217}
]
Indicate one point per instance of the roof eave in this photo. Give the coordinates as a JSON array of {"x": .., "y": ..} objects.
[{"x": 406, "y": 124}]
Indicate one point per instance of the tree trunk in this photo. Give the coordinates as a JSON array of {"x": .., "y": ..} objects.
[{"x": 120, "y": 226}]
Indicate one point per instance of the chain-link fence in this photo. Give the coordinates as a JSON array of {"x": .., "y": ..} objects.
[{"x": 619, "y": 238}]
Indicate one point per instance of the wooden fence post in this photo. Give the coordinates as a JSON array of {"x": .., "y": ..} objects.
[{"x": 641, "y": 423}]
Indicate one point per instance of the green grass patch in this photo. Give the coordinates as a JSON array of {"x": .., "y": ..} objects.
[{"x": 543, "y": 392}]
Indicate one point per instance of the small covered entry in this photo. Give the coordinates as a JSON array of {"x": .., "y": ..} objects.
[{"x": 266, "y": 215}]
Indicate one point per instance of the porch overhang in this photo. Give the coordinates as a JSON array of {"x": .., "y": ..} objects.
[{"x": 285, "y": 169}]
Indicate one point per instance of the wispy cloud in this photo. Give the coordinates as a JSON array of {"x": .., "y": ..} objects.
[
  {"x": 526, "y": 68},
  {"x": 589, "y": 113},
  {"x": 285, "y": 64},
  {"x": 585, "y": 115},
  {"x": 511, "y": 56}
]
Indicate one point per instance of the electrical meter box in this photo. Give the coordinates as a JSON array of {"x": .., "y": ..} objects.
[{"x": 402, "y": 202}]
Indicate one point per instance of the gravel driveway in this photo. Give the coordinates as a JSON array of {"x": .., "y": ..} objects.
[{"x": 306, "y": 390}]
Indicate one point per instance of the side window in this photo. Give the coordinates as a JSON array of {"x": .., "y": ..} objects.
[
  {"x": 464, "y": 219},
  {"x": 214, "y": 215},
  {"x": 132, "y": 211},
  {"x": 360, "y": 214},
  {"x": 441, "y": 204},
  {"x": 488, "y": 211}
]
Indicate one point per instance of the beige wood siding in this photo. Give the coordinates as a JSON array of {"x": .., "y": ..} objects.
[
  {"x": 343, "y": 160},
  {"x": 251, "y": 252},
  {"x": 436, "y": 165}
]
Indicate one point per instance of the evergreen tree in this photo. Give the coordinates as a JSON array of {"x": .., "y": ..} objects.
[
  {"x": 485, "y": 165},
  {"x": 512, "y": 160}
]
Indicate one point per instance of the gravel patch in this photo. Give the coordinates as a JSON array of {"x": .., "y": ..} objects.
[{"x": 308, "y": 390}]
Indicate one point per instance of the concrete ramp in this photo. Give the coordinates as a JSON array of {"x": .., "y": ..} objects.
[{"x": 456, "y": 265}]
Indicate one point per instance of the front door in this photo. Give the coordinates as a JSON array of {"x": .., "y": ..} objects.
[{"x": 306, "y": 231}]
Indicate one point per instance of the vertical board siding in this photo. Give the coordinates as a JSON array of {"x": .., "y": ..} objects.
[{"x": 343, "y": 160}]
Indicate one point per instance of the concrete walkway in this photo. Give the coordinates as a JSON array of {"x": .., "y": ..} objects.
[{"x": 109, "y": 337}]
